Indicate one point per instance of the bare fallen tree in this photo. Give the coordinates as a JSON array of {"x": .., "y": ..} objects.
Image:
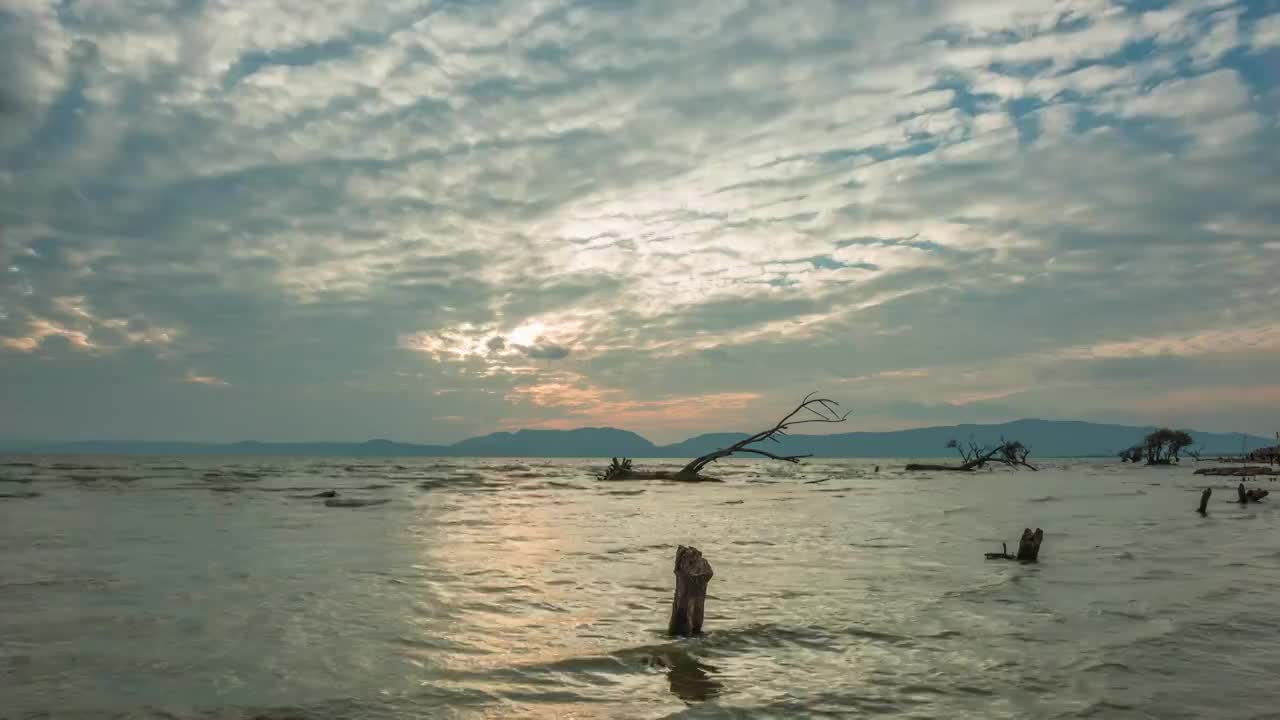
[
  {"x": 1268, "y": 455},
  {"x": 1011, "y": 453},
  {"x": 810, "y": 410}
]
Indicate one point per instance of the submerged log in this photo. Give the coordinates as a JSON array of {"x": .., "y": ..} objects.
[
  {"x": 1238, "y": 471},
  {"x": 622, "y": 470},
  {"x": 693, "y": 572},
  {"x": 923, "y": 467},
  {"x": 1204, "y": 500},
  {"x": 353, "y": 502}
]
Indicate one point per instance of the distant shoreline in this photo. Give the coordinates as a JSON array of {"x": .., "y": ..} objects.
[{"x": 1047, "y": 439}]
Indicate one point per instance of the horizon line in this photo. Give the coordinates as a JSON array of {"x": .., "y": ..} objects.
[{"x": 371, "y": 440}]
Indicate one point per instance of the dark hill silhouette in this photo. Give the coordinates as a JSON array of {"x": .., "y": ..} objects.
[
  {"x": 1047, "y": 438},
  {"x": 582, "y": 442}
]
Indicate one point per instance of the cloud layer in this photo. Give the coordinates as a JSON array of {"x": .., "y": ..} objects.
[{"x": 423, "y": 220}]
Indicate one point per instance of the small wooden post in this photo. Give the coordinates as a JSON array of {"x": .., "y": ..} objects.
[
  {"x": 1002, "y": 555},
  {"x": 693, "y": 572},
  {"x": 1204, "y": 501},
  {"x": 1029, "y": 545}
]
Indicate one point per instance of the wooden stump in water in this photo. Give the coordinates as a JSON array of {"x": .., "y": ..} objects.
[
  {"x": 693, "y": 572},
  {"x": 1204, "y": 500},
  {"x": 1029, "y": 545},
  {"x": 1251, "y": 495},
  {"x": 1028, "y": 548}
]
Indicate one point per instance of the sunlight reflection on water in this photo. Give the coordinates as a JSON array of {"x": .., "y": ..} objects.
[{"x": 490, "y": 588}]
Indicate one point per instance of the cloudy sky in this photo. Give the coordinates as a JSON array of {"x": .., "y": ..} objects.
[{"x": 341, "y": 219}]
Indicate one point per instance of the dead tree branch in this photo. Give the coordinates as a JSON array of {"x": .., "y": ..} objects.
[
  {"x": 810, "y": 410},
  {"x": 1011, "y": 453}
]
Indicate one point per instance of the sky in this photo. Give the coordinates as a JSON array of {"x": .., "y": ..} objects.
[{"x": 340, "y": 219}]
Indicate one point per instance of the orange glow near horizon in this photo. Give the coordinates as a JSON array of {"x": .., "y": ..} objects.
[{"x": 603, "y": 406}]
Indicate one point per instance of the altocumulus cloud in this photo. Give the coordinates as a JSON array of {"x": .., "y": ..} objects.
[{"x": 422, "y": 220}]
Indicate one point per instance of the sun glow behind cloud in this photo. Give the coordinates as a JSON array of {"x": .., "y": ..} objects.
[{"x": 364, "y": 216}]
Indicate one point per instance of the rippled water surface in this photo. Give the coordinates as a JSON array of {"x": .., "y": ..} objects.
[{"x": 505, "y": 589}]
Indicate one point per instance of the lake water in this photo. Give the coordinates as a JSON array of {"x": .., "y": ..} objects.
[{"x": 213, "y": 588}]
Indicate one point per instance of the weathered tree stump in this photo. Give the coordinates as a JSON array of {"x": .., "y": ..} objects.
[
  {"x": 1029, "y": 545},
  {"x": 1251, "y": 495},
  {"x": 1028, "y": 548},
  {"x": 1204, "y": 500},
  {"x": 693, "y": 572}
]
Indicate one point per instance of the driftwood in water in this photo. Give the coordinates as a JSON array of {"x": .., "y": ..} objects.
[
  {"x": 1251, "y": 495},
  {"x": 1238, "y": 471},
  {"x": 693, "y": 572},
  {"x": 353, "y": 502},
  {"x": 1014, "y": 454},
  {"x": 1002, "y": 555},
  {"x": 1204, "y": 500},
  {"x": 622, "y": 470},
  {"x": 1028, "y": 548},
  {"x": 819, "y": 410}
]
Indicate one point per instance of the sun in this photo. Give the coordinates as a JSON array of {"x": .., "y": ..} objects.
[{"x": 526, "y": 334}]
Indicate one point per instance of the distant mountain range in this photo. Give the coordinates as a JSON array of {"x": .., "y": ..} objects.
[{"x": 1047, "y": 438}]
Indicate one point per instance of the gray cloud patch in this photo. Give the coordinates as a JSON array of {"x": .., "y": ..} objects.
[
  {"x": 545, "y": 351},
  {"x": 353, "y": 216}
]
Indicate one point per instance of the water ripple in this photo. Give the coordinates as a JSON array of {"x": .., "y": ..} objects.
[{"x": 232, "y": 588}]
